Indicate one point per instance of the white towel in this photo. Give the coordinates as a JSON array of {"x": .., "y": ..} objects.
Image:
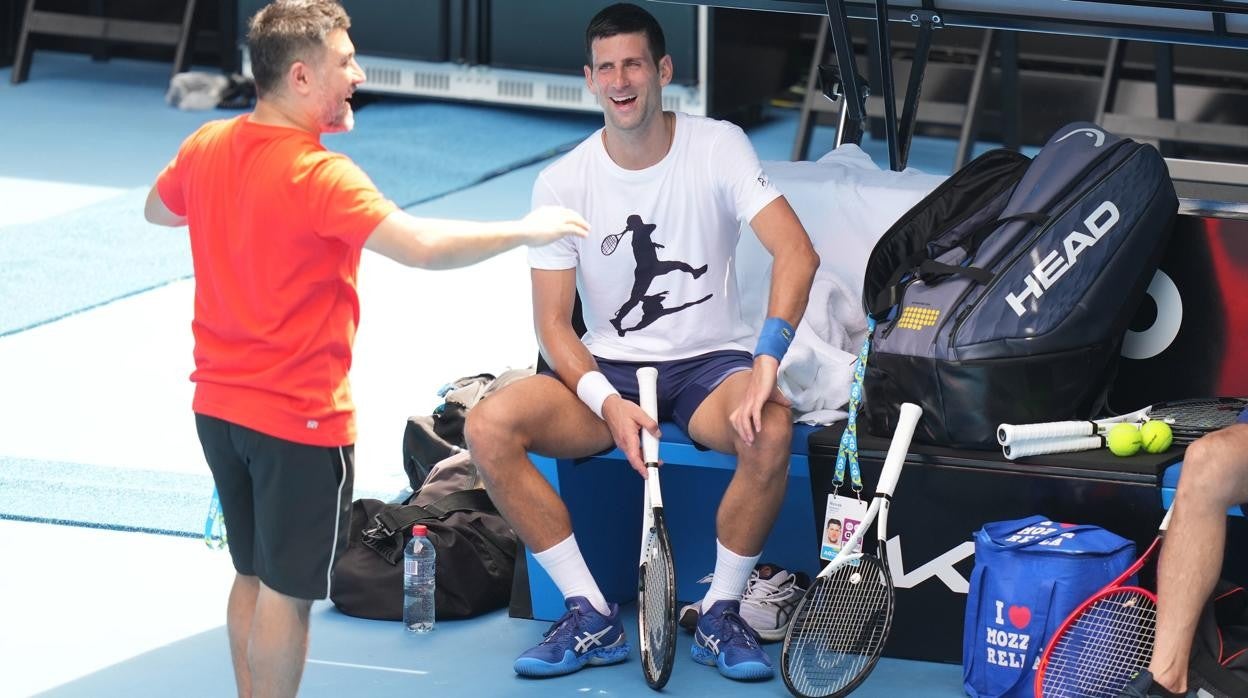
[
  {"x": 818, "y": 369},
  {"x": 846, "y": 203}
]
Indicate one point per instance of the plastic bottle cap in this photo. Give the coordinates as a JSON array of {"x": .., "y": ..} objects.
[{"x": 419, "y": 530}]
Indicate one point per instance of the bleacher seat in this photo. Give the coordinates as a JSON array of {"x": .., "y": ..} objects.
[{"x": 604, "y": 498}]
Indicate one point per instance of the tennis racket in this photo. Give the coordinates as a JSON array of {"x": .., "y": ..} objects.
[
  {"x": 214, "y": 524},
  {"x": 610, "y": 242},
  {"x": 1060, "y": 444},
  {"x": 838, "y": 632},
  {"x": 1188, "y": 420},
  {"x": 656, "y": 576},
  {"x": 1106, "y": 641}
]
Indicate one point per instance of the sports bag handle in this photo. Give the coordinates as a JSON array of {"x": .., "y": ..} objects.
[
  {"x": 977, "y": 236},
  {"x": 387, "y": 534},
  {"x": 1001, "y": 529},
  {"x": 933, "y": 272},
  {"x": 402, "y": 518},
  {"x": 923, "y": 266}
]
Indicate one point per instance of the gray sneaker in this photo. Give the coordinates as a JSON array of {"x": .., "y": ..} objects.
[{"x": 771, "y": 597}]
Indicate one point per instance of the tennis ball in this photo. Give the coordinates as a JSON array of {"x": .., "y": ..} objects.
[
  {"x": 1123, "y": 440},
  {"x": 1156, "y": 436}
]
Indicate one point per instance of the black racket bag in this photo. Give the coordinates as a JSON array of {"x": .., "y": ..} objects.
[
  {"x": 1219, "y": 661},
  {"x": 1004, "y": 295}
]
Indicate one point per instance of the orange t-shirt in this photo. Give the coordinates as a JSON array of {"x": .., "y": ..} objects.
[{"x": 277, "y": 224}]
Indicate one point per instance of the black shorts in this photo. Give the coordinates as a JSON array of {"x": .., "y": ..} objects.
[{"x": 287, "y": 506}]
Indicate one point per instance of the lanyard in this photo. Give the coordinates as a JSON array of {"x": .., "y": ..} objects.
[{"x": 848, "y": 450}]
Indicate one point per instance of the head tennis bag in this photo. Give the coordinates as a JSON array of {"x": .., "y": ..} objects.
[{"x": 1003, "y": 296}]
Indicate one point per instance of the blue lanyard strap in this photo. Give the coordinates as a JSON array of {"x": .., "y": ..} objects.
[{"x": 848, "y": 450}]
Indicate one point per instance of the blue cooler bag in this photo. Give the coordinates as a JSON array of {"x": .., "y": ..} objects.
[{"x": 1029, "y": 575}]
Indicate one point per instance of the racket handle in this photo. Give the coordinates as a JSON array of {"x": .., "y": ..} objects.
[
  {"x": 906, "y": 422},
  {"x": 1008, "y": 434},
  {"x": 647, "y": 389},
  {"x": 1062, "y": 444}
]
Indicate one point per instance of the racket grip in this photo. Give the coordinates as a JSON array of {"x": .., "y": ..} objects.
[
  {"x": 1014, "y": 433},
  {"x": 647, "y": 389},
  {"x": 1064, "y": 444},
  {"x": 897, "y": 449}
]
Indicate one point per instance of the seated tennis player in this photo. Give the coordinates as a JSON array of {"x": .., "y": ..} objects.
[
  {"x": 1215, "y": 478},
  {"x": 666, "y": 194}
]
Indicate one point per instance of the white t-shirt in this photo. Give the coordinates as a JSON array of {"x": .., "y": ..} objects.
[{"x": 669, "y": 285}]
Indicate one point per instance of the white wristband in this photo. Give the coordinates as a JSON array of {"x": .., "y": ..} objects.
[{"x": 593, "y": 389}]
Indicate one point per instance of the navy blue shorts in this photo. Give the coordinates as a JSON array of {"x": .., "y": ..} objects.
[{"x": 683, "y": 384}]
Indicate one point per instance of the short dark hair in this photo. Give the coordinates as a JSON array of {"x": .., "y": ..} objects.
[
  {"x": 286, "y": 31},
  {"x": 625, "y": 18}
]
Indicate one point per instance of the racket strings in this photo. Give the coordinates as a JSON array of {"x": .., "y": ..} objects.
[
  {"x": 657, "y": 608},
  {"x": 1103, "y": 649},
  {"x": 842, "y": 634},
  {"x": 1202, "y": 416}
]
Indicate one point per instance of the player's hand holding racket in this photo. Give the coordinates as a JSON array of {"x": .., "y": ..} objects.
[
  {"x": 627, "y": 421},
  {"x": 1106, "y": 641},
  {"x": 656, "y": 584},
  {"x": 838, "y": 632}
]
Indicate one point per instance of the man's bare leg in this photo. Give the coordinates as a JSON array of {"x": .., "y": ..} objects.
[
  {"x": 1215, "y": 477},
  {"x": 540, "y": 415},
  {"x": 745, "y": 517},
  {"x": 279, "y": 644},
  {"x": 240, "y": 610},
  {"x": 756, "y": 492}
]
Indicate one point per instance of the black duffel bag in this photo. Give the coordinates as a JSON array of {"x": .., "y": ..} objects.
[{"x": 476, "y": 552}]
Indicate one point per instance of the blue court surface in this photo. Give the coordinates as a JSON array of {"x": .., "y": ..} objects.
[{"x": 106, "y": 589}]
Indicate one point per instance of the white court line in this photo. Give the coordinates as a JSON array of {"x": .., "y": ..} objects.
[{"x": 349, "y": 665}]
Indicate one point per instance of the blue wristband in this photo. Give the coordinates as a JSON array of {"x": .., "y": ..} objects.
[{"x": 775, "y": 338}]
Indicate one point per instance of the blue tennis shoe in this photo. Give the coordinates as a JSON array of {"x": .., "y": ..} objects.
[
  {"x": 725, "y": 641},
  {"x": 582, "y": 636}
]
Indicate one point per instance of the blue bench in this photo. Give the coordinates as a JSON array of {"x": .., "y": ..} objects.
[
  {"x": 604, "y": 497},
  {"x": 1170, "y": 483}
]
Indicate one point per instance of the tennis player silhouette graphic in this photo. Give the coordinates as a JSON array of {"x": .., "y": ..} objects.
[{"x": 650, "y": 267}]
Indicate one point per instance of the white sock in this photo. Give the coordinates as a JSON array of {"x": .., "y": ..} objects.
[
  {"x": 732, "y": 573},
  {"x": 565, "y": 565}
]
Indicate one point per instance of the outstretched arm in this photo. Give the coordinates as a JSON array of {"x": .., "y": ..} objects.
[
  {"x": 554, "y": 295},
  {"x": 432, "y": 243},
  {"x": 155, "y": 211},
  {"x": 793, "y": 271}
]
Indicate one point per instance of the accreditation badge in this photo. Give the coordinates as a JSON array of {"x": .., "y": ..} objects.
[{"x": 841, "y": 518}]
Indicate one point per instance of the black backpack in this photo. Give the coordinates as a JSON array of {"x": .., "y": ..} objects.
[
  {"x": 476, "y": 549},
  {"x": 1219, "y": 663},
  {"x": 1004, "y": 295},
  {"x": 428, "y": 439}
]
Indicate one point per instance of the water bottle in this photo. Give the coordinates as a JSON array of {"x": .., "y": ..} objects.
[{"x": 418, "y": 581}]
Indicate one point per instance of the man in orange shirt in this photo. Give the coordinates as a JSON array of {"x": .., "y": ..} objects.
[{"x": 277, "y": 224}]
